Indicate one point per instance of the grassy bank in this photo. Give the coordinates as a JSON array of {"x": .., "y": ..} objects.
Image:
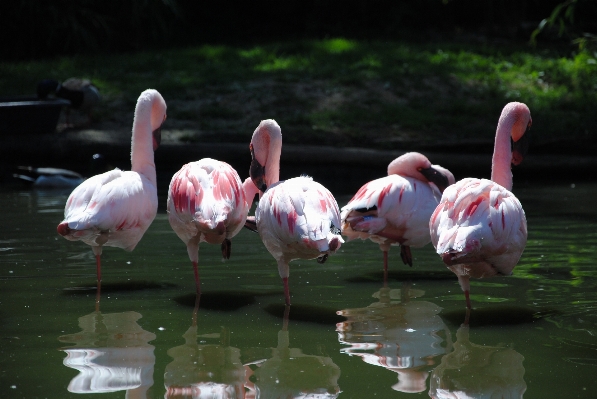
[{"x": 391, "y": 95}]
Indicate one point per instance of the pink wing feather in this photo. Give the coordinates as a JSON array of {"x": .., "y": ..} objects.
[
  {"x": 479, "y": 221},
  {"x": 395, "y": 205},
  {"x": 206, "y": 198}
]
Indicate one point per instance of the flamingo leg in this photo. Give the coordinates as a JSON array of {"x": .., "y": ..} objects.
[
  {"x": 97, "y": 251},
  {"x": 286, "y": 290},
  {"x": 468, "y": 300},
  {"x": 196, "y": 309},
  {"x": 98, "y": 292},
  {"x": 466, "y": 287},
  {"x": 197, "y": 279},
  {"x": 406, "y": 256}
]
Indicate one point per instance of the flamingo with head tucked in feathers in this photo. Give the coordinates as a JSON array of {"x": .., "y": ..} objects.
[
  {"x": 296, "y": 218},
  {"x": 115, "y": 208},
  {"x": 207, "y": 203},
  {"x": 395, "y": 210},
  {"x": 479, "y": 228}
]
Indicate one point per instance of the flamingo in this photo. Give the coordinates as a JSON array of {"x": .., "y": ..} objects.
[
  {"x": 207, "y": 203},
  {"x": 479, "y": 228},
  {"x": 115, "y": 208},
  {"x": 296, "y": 218},
  {"x": 395, "y": 210}
]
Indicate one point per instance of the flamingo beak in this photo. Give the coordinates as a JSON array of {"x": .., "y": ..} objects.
[
  {"x": 257, "y": 172},
  {"x": 520, "y": 147},
  {"x": 157, "y": 137},
  {"x": 436, "y": 177}
]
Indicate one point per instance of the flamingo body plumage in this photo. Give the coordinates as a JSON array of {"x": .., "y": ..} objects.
[
  {"x": 479, "y": 228},
  {"x": 395, "y": 209},
  {"x": 115, "y": 208},
  {"x": 296, "y": 218},
  {"x": 206, "y": 203}
]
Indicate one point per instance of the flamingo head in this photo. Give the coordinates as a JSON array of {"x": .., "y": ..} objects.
[
  {"x": 157, "y": 135},
  {"x": 520, "y": 136},
  {"x": 417, "y": 166},
  {"x": 439, "y": 176},
  {"x": 265, "y": 147},
  {"x": 158, "y": 117},
  {"x": 257, "y": 171}
]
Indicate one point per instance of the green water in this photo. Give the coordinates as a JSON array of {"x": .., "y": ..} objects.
[{"x": 530, "y": 334}]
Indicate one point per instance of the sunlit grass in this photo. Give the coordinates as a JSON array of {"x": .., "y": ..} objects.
[{"x": 396, "y": 89}]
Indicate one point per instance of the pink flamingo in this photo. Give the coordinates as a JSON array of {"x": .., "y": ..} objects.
[
  {"x": 479, "y": 228},
  {"x": 395, "y": 210},
  {"x": 296, "y": 218},
  {"x": 115, "y": 208},
  {"x": 207, "y": 203}
]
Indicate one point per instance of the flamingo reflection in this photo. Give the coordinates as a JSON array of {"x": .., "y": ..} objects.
[
  {"x": 478, "y": 371},
  {"x": 204, "y": 370},
  {"x": 112, "y": 353},
  {"x": 290, "y": 373},
  {"x": 401, "y": 335}
]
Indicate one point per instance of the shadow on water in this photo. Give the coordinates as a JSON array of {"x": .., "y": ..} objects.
[
  {"x": 125, "y": 286},
  {"x": 308, "y": 313},
  {"x": 495, "y": 316},
  {"x": 225, "y": 301},
  {"x": 403, "y": 275}
]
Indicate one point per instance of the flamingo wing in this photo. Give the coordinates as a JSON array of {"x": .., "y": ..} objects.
[
  {"x": 479, "y": 222},
  {"x": 298, "y": 216},
  {"x": 116, "y": 205},
  {"x": 206, "y": 199},
  {"x": 395, "y": 207}
]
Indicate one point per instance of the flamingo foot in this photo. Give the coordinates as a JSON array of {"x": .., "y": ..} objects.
[
  {"x": 197, "y": 279},
  {"x": 406, "y": 256},
  {"x": 226, "y": 248},
  {"x": 286, "y": 291}
]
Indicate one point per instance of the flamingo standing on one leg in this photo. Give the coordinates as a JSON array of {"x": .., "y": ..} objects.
[
  {"x": 396, "y": 209},
  {"x": 479, "y": 228},
  {"x": 207, "y": 203},
  {"x": 115, "y": 208},
  {"x": 296, "y": 218}
]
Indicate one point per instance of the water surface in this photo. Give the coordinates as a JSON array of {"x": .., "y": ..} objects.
[{"x": 347, "y": 336}]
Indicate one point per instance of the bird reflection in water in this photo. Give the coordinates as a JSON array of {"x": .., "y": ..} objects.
[
  {"x": 112, "y": 353},
  {"x": 401, "y": 335},
  {"x": 289, "y": 373},
  {"x": 478, "y": 371},
  {"x": 203, "y": 370}
]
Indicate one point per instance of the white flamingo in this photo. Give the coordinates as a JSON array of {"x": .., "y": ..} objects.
[
  {"x": 296, "y": 218},
  {"x": 207, "y": 203},
  {"x": 115, "y": 208},
  {"x": 479, "y": 228},
  {"x": 395, "y": 210}
]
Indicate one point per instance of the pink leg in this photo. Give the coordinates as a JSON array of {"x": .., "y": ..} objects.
[
  {"x": 286, "y": 291},
  {"x": 197, "y": 280},
  {"x": 98, "y": 265},
  {"x": 468, "y": 300},
  {"x": 468, "y": 315},
  {"x": 98, "y": 295}
]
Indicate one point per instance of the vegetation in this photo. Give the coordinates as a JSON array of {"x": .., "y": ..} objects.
[{"x": 339, "y": 91}]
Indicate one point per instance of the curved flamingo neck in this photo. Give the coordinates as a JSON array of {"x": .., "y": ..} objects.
[
  {"x": 142, "y": 157},
  {"x": 267, "y": 142},
  {"x": 502, "y": 152}
]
